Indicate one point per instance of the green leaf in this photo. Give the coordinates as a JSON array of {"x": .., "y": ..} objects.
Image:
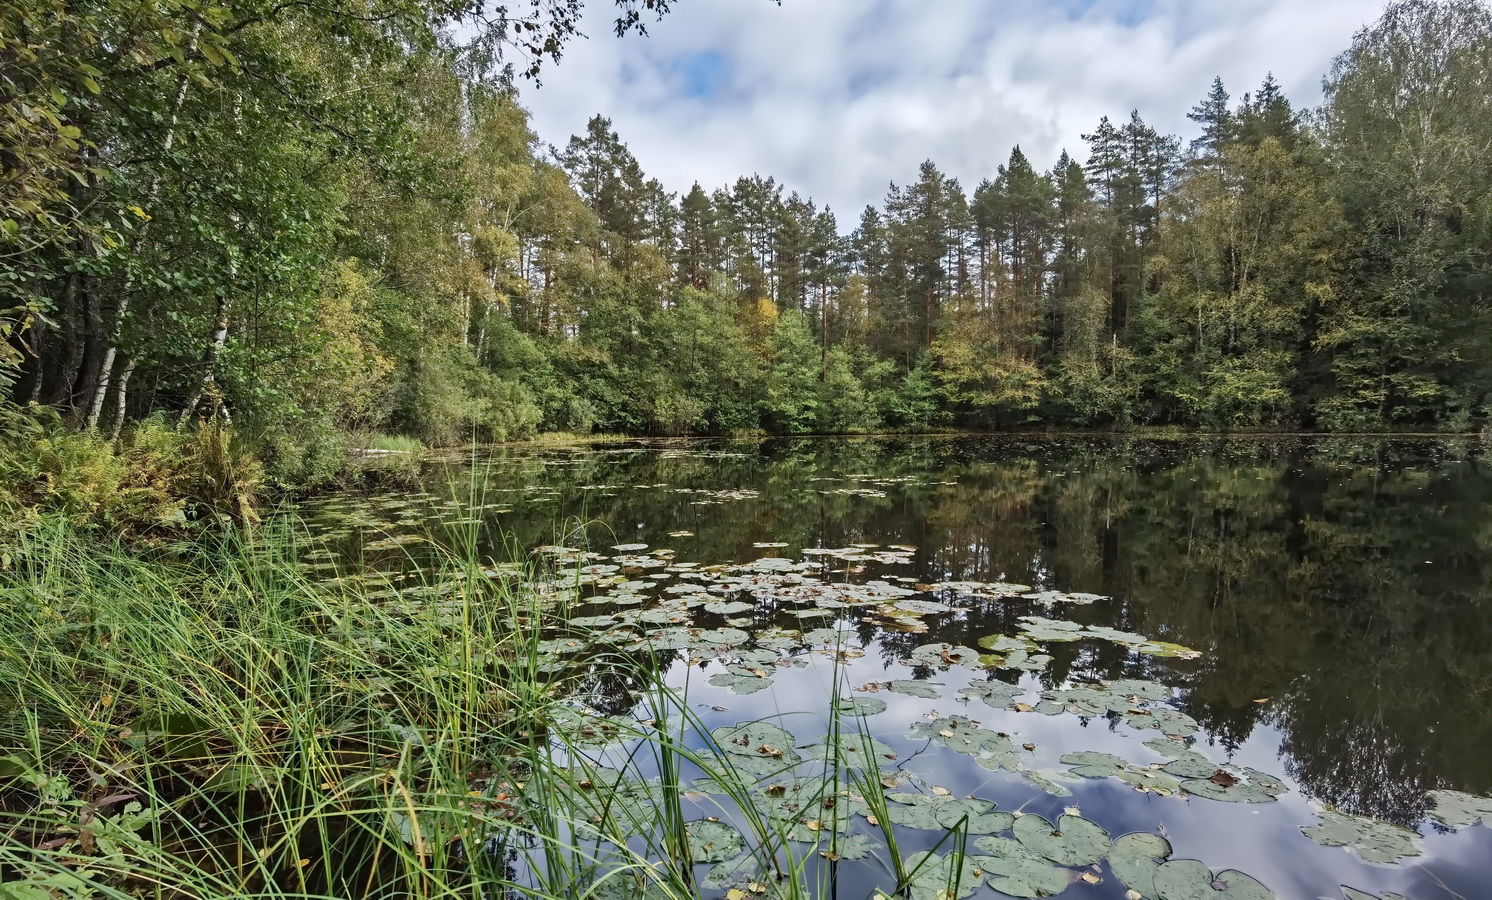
[
  {"x": 1015, "y": 870},
  {"x": 1372, "y": 840},
  {"x": 1073, "y": 841},
  {"x": 713, "y": 842},
  {"x": 1459, "y": 810}
]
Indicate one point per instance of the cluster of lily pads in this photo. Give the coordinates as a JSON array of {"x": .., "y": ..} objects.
[
  {"x": 1038, "y": 858},
  {"x": 643, "y": 598}
]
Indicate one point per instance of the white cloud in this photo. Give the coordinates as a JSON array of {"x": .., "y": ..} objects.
[{"x": 837, "y": 98}]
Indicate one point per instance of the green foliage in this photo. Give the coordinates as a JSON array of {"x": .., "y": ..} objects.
[
  {"x": 371, "y": 239},
  {"x": 793, "y": 398},
  {"x": 154, "y": 483}
]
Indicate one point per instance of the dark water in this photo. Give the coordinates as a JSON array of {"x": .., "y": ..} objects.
[{"x": 1346, "y": 583}]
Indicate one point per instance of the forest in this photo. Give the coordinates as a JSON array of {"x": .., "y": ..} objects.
[{"x": 325, "y": 223}]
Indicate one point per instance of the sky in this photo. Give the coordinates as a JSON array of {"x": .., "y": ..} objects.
[{"x": 839, "y": 98}]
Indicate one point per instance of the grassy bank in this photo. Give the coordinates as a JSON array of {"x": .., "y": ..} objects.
[{"x": 220, "y": 725}]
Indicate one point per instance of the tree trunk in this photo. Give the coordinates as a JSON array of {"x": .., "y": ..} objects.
[
  {"x": 111, "y": 349},
  {"x": 38, "y": 347},
  {"x": 210, "y": 358},
  {"x": 62, "y": 389},
  {"x": 121, "y": 397}
]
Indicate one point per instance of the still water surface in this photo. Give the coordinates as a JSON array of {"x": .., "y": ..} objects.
[{"x": 1339, "y": 591}]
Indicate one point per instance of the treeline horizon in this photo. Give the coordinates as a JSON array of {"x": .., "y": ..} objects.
[{"x": 315, "y": 224}]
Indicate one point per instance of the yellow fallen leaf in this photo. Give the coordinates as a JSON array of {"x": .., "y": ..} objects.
[
  {"x": 941, "y": 791},
  {"x": 1091, "y": 878},
  {"x": 813, "y": 824},
  {"x": 735, "y": 894}
]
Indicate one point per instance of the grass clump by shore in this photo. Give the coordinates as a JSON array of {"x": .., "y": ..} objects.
[{"x": 218, "y": 724}]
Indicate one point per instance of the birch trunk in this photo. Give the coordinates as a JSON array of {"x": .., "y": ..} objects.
[{"x": 111, "y": 349}]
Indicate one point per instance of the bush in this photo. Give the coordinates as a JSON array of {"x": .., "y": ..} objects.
[{"x": 155, "y": 481}]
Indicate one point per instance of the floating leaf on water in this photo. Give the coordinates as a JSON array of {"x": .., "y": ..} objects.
[
  {"x": 1046, "y": 779},
  {"x": 1017, "y": 659},
  {"x": 927, "y": 690},
  {"x": 961, "y": 735},
  {"x": 1017, "y": 871},
  {"x": 1153, "y": 691},
  {"x": 941, "y": 812},
  {"x": 1048, "y": 631},
  {"x": 779, "y": 639},
  {"x": 742, "y": 680},
  {"x": 1167, "y": 651},
  {"x": 1372, "y": 840},
  {"x": 1004, "y": 643},
  {"x": 937, "y": 877},
  {"x": 852, "y": 847},
  {"x": 922, "y": 607},
  {"x": 809, "y": 806},
  {"x": 629, "y": 548},
  {"x": 856, "y": 751},
  {"x": 1135, "y": 858},
  {"x": 1459, "y": 810},
  {"x": 861, "y": 706},
  {"x": 1073, "y": 841},
  {"x": 941, "y": 656},
  {"x": 996, "y": 694},
  {"x": 757, "y": 747},
  {"x": 1049, "y": 598},
  {"x": 728, "y": 607},
  {"x": 1170, "y": 721},
  {"x": 1235, "y": 785},
  {"x": 1188, "y": 879},
  {"x": 598, "y": 623},
  {"x": 1092, "y": 701},
  {"x": 713, "y": 842}
]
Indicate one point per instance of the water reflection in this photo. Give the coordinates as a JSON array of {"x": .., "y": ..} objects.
[{"x": 1339, "y": 587}]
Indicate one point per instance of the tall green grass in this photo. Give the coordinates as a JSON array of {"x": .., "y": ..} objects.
[{"x": 218, "y": 724}]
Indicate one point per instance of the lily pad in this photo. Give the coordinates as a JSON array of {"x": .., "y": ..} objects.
[
  {"x": 962, "y": 735},
  {"x": 852, "y": 847},
  {"x": 713, "y": 842},
  {"x": 1188, "y": 879},
  {"x": 757, "y": 747},
  {"x": 996, "y": 694},
  {"x": 862, "y": 706},
  {"x": 927, "y": 690},
  {"x": 1236, "y": 785},
  {"x": 742, "y": 680},
  {"x": 856, "y": 751},
  {"x": 1004, "y": 643},
  {"x": 728, "y": 607},
  {"x": 1023, "y": 660},
  {"x": 935, "y": 812},
  {"x": 1459, "y": 810},
  {"x": 1016, "y": 871},
  {"x": 1090, "y": 764},
  {"x": 1135, "y": 858},
  {"x": 1052, "y": 631},
  {"x": 937, "y": 877},
  {"x": 1170, "y": 721},
  {"x": 1372, "y": 840},
  {"x": 941, "y": 656},
  {"x": 1074, "y": 841}
]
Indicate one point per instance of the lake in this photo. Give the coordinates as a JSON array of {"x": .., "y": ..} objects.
[{"x": 1014, "y": 617}]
